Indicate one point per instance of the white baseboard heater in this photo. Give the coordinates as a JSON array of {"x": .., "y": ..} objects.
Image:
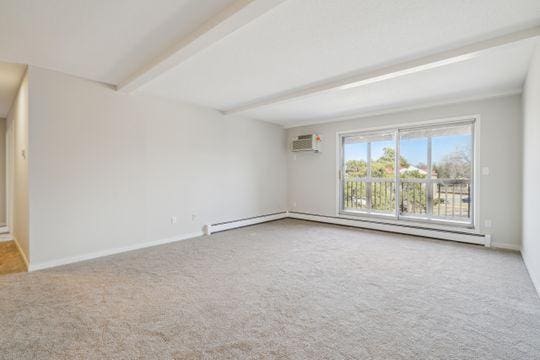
[
  {"x": 233, "y": 224},
  {"x": 454, "y": 235}
]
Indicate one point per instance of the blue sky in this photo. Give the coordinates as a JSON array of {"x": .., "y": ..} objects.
[{"x": 414, "y": 150}]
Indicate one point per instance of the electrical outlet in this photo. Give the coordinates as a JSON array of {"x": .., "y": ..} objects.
[
  {"x": 487, "y": 223},
  {"x": 293, "y": 204},
  {"x": 193, "y": 217},
  {"x": 174, "y": 220},
  {"x": 485, "y": 170}
]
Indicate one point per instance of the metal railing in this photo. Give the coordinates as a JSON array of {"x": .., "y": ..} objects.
[
  {"x": 377, "y": 194},
  {"x": 452, "y": 198},
  {"x": 444, "y": 198}
]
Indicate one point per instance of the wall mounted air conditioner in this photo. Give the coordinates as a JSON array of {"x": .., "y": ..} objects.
[{"x": 311, "y": 142}]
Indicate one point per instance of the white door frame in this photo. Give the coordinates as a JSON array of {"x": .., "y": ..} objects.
[{"x": 10, "y": 141}]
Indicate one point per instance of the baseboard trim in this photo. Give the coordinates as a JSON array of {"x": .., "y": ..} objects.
[
  {"x": 477, "y": 239},
  {"x": 246, "y": 222},
  {"x": 23, "y": 255},
  {"x": 98, "y": 254},
  {"x": 211, "y": 229},
  {"x": 506, "y": 246},
  {"x": 6, "y": 238},
  {"x": 535, "y": 281}
]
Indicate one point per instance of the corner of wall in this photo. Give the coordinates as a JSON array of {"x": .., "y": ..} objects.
[{"x": 531, "y": 194}]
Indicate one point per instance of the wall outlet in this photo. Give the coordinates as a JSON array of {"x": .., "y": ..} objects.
[
  {"x": 193, "y": 217},
  {"x": 293, "y": 204},
  {"x": 174, "y": 220},
  {"x": 485, "y": 170},
  {"x": 487, "y": 223}
]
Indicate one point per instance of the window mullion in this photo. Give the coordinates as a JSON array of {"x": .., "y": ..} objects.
[
  {"x": 341, "y": 173},
  {"x": 368, "y": 182},
  {"x": 397, "y": 175},
  {"x": 429, "y": 185}
]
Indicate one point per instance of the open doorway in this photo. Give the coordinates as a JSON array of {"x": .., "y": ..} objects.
[
  {"x": 3, "y": 177},
  {"x": 12, "y": 258}
]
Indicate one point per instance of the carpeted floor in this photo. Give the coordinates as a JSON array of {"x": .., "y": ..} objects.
[{"x": 281, "y": 290}]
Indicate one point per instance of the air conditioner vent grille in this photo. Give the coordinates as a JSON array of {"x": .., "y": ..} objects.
[
  {"x": 303, "y": 144},
  {"x": 309, "y": 142}
]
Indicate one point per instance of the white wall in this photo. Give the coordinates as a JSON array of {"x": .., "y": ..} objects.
[
  {"x": 17, "y": 125},
  {"x": 312, "y": 177},
  {"x": 531, "y": 170},
  {"x": 108, "y": 170}
]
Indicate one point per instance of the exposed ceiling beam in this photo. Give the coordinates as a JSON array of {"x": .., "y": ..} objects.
[
  {"x": 356, "y": 79},
  {"x": 238, "y": 14}
]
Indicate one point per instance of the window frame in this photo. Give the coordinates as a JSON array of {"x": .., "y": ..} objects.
[
  {"x": 396, "y": 217},
  {"x": 369, "y": 179}
]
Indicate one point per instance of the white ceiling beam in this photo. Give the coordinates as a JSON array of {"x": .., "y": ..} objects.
[
  {"x": 356, "y": 79},
  {"x": 235, "y": 16}
]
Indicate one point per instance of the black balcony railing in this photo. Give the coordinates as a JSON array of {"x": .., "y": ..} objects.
[{"x": 448, "y": 199}]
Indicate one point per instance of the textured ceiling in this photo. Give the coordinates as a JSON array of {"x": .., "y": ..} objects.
[
  {"x": 295, "y": 44},
  {"x": 304, "y": 41},
  {"x": 102, "y": 40},
  {"x": 497, "y": 71}
]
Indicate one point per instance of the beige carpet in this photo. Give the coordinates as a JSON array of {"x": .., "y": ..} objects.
[{"x": 282, "y": 290}]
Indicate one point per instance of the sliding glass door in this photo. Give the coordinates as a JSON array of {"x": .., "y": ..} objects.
[
  {"x": 452, "y": 169},
  {"x": 421, "y": 173},
  {"x": 369, "y": 180},
  {"x": 414, "y": 173}
]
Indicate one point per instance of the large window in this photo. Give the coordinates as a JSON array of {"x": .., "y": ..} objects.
[{"x": 421, "y": 173}]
